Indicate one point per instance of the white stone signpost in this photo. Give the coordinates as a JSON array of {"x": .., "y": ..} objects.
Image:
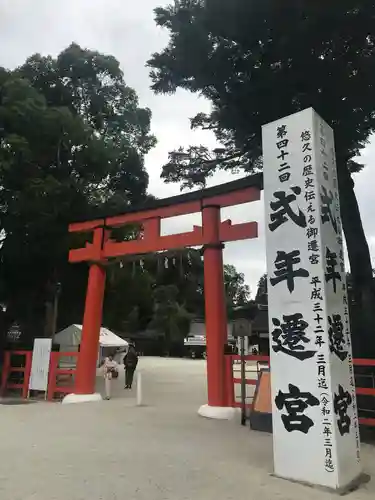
[
  {"x": 315, "y": 422},
  {"x": 40, "y": 365}
]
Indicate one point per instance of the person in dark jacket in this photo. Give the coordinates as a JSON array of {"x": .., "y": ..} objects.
[{"x": 130, "y": 364}]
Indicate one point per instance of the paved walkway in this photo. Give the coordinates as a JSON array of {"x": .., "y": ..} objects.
[{"x": 162, "y": 451}]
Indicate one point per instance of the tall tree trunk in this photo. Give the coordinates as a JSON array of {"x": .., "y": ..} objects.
[{"x": 363, "y": 337}]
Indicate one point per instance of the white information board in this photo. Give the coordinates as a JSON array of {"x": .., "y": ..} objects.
[
  {"x": 40, "y": 365},
  {"x": 315, "y": 422}
]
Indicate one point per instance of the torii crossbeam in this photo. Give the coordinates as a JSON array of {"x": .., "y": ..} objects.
[{"x": 211, "y": 236}]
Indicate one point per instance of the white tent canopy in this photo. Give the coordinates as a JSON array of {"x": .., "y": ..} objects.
[{"x": 70, "y": 338}]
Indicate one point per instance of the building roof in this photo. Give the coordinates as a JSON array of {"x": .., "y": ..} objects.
[{"x": 71, "y": 337}]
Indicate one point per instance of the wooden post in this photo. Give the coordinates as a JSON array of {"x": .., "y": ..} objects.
[
  {"x": 215, "y": 306},
  {"x": 92, "y": 320}
]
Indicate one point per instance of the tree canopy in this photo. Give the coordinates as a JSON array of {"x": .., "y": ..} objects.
[
  {"x": 165, "y": 290},
  {"x": 262, "y": 295},
  {"x": 259, "y": 60},
  {"x": 237, "y": 291},
  {"x": 72, "y": 141}
]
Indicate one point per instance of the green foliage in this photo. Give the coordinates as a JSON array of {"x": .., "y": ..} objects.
[
  {"x": 262, "y": 296},
  {"x": 72, "y": 141},
  {"x": 184, "y": 269},
  {"x": 236, "y": 290},
  {"x": 259, "y": 60},
  {"x": 129, "y": 300},
  {"x": 170, "y": 318},
  {"x": 164, "y": 294}
]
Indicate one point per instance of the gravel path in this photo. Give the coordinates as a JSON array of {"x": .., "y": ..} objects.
[{"x": 161, "y": 451}]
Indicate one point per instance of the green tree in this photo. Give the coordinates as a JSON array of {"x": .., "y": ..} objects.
[
  {"x": 262, "y": 296},
  {"x": 72, "y": 143},
  {"x": 185, "y": 269},
  {"x": 236, "y": 290},
  {"x": 129, "y": 303},
  {"x": 259, "y": 60},
  {"x": 170, "y": 318}
]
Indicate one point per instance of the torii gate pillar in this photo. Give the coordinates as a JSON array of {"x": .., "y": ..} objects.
[
  {"x": 216, "y": 315},
  {"x": 92, "y": 321},
  {"x": 211, "y": 236}
]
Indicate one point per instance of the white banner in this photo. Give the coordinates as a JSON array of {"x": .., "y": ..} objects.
[
  {"x": 315, "y": 423},
  {"x": 40, "y": 364}
]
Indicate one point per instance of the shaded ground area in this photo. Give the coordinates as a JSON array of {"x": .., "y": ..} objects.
[{"x": 162, "y": 451}]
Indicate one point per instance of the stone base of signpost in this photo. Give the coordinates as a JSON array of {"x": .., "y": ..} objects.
[
  {"x": 343, "y": 490},
  {"x": 217, "y": 412},
  {"x": 81, "y": 398}
]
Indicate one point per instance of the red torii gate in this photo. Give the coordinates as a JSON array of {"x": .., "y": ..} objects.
[{"x": 211, "y": 235}]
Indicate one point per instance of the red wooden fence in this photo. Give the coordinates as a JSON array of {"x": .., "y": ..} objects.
[
  {"x": 24, "y": 370},
  {"x": 55, "y": 376},
  {"x": 262, "y": 360},
  {"x": 58, "y": 374}
]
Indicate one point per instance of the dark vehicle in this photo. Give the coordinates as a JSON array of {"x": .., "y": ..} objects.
[{"x": 195, "y": 347}]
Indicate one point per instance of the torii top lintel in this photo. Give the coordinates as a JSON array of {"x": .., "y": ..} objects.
[{"x": 149, "y": 217}]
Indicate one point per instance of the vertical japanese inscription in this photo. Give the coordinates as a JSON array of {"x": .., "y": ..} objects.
[
  {"x": 296, "y": 403},
  {"x": 318, "y": 282},
  {"x": 309, "y": 328},
  {"x": 323, "y": 366},
  {"x": 290, "y": 334},
  {"x": 286, "y": 268},
  {"x": 325, "y": 408},
  {"x": 284, "y": 209},
  {"x": 312, "y": 231},
  {"x": 332, "y": 274},
  {"x": 342, "y": 400},
  {"x": 290, "y": 337},
  {"x": 337, "y": 343},
  {"x": 282, "y": 144}
]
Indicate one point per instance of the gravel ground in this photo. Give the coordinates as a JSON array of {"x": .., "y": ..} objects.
[{"x": 160, "y": 451}]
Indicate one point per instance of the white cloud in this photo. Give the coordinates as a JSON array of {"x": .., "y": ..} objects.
[{"x": 130, "y": 34}]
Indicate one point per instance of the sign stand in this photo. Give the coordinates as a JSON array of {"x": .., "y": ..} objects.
[
  {"x": 243, "y": 381},
  {"x": 261, "y": 413},
  {"x": 242, "y": 330}
]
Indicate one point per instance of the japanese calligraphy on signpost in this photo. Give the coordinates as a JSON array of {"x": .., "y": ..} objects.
[{"x": 312, "y": 379}]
